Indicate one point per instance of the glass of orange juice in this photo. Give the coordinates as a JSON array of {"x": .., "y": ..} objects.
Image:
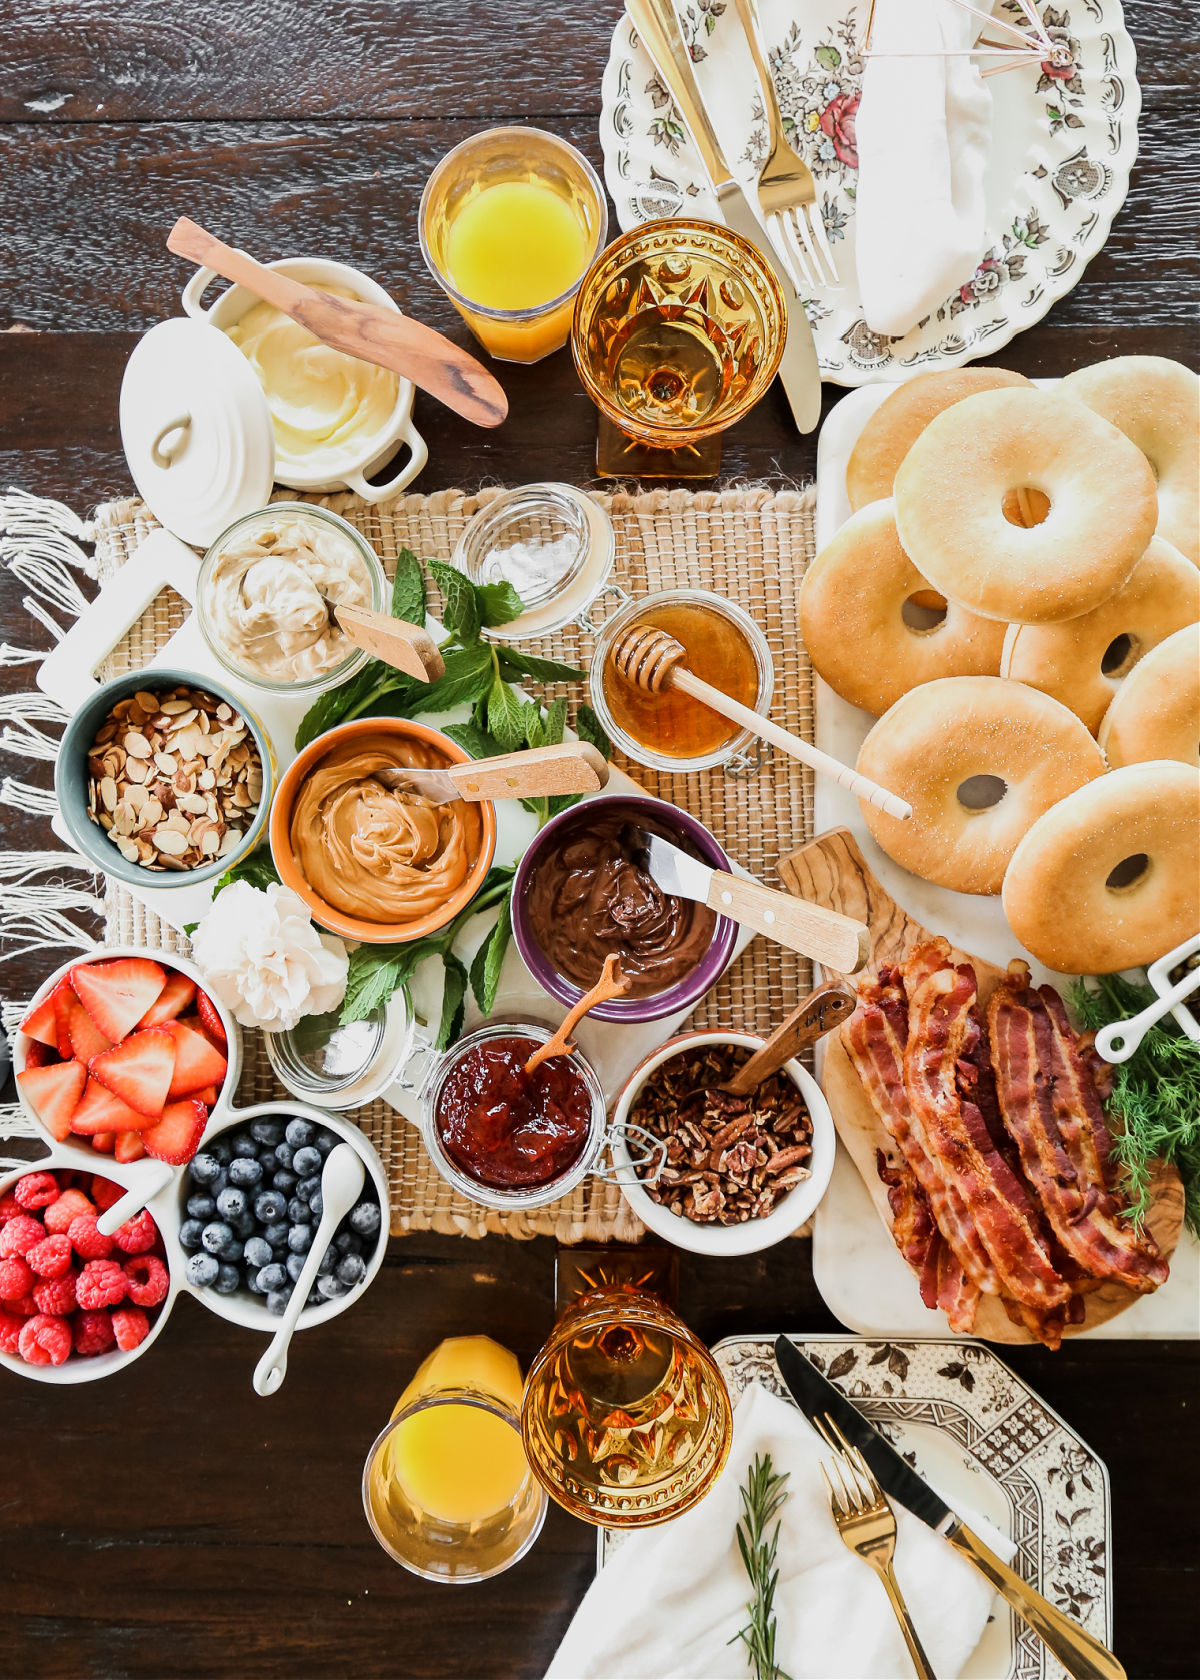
[
  {"x": 446, "y": 1487},
  {"x": 510, "y": 222}
]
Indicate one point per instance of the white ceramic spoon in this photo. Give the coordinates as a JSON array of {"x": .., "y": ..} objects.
[
  {"x": 152, "y": 1176},
  {"x": 1118, "y": 1041},
  {"x": 341, "y": 1184}
]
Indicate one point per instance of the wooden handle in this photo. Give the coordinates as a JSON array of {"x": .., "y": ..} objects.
[
  {"x": 570, "y": 767},
  {"x": 861, "y": 786},
  {"x": 404, "y": 646},
  {"x": 819, "y": 1013},
  {"x": 368, "y": 331},
  {"x": 610, "y": 985},
  {"x": 834, "y": 940},
  {"x": 1080, "y": 1654}
]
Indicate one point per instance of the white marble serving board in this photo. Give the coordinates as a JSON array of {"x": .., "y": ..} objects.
[{"x": 857, "y": 1268}]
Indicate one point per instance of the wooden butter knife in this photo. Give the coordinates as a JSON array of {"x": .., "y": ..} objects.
[
  {"x": 817, "y": 1014},
  {"x": 570, "y": 767}
]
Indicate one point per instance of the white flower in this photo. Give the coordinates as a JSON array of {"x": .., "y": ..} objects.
[{"x": 262, "y": 956}]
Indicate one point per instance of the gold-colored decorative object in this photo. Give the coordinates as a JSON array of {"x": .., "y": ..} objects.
[{"x": 679, "y": 328}]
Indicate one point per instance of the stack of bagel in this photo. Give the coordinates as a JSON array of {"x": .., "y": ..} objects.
[{"x": 1016, "y": 598}]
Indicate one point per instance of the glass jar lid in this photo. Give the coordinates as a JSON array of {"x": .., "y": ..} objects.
[
  {"x": 340, "y": 1065},
  {"x": 553, "y": 544}
]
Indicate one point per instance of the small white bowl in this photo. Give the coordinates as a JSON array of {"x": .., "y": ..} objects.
[
  {"x": 77, "y": 1368},
  {"x": 787, "y": 1216},
  {"x": 249, "y": 1310},
  {"x": 233, "y": 303}
]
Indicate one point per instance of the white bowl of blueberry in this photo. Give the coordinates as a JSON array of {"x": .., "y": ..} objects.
[{"x": 249, "y": 1205}]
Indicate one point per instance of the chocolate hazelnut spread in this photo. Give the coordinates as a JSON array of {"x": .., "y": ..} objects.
[{"x": 586, "y": 898}]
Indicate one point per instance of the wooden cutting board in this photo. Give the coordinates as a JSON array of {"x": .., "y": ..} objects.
[{"x": 831, "y": 870}]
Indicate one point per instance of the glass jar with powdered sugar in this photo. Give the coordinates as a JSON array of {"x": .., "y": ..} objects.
[{"x": 554, "y": 545}]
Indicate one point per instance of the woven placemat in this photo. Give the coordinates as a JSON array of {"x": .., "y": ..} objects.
[{"x": 749, "y": 544}]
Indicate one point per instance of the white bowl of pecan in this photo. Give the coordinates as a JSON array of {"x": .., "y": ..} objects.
[{"x": 739, "y": 1173}]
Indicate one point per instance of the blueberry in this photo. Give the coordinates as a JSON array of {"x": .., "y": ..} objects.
[
  {"x": 299, "y": 1212},
  {"x": 269, "y": 1206},
  {"x": 306, "y": 1162},
  {"x": 244, "y": 1146},
  {"x": 219, "y": 1183},
  {"x": 284, "y": 1181},
  {"x": 300, "y": 1239},
  {"x": 245, "y": 1173},
  {"x": 347, "y": 1243},
  {"x": 228, "y": 1279},
  {"x": 284, "y": 1153},
  {"x": 299, "y": 1132},
  {"x": 328, "y": 1261},
  {"x": 245, "y": 1226},
  {"x": 202, "y": 1269},
  {"x": 331, "y": 1286},
  {"x": 204, "y": 1167},
  {"x": 314, "y": 1299},
  {"x": 295, "y": 1265},
  {"x": 352, "y": 1269},
  {"x": 277, "y": 1301},
  {"x": 326, "y": 1141},
  {"x": 257, "y": 1252},
  {"x": 316, "y": 1204},
  {"x": 365, "y": 1218},
  {"x": 201, "y": 1207},
  {"x": 267, "y": 1131},
  {"x": 231, "y": 1203},
  {"x": 271, "y": 1277},
  {"x": 215, "y": 1236},
  {"x": 221, "y": 1150},
  {"x": 191, "y": 1233},
  {"x": 276, "y": 1233},
  {"x": 252, "y": 1283},
  {"x": 306, "y": 1188},
  {"x": 230, "y": 1251}
]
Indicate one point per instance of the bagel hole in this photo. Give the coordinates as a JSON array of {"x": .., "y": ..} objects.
[
  {"x": 980, "y": 793},
  {"x": 1128, "y": 872},
  {"x": 924, "y": 610},
  {"x": 1025, "y": 506},
  {"x": 1120, "y": 656}
]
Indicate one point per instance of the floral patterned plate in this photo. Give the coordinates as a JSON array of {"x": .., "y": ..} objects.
[
  {"x": 1064, "y": 143},
  {"x": 958, "y": 1414}
]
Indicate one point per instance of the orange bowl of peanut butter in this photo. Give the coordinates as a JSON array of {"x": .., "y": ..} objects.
[{"x": 373, "y": 862}]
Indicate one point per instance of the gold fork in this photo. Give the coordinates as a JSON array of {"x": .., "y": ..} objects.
[
  {"x": 787, "y": 192},
  {"x": 867, "y": 1525}
]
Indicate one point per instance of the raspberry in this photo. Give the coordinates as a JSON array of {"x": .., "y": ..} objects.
[
  {"x": 16, "y": 1278},
  {"x": 10, "y": 1333},
  {"x": 101, "y": 1283},
  {"x": 93, "y": 1333},
  {"x": 45, "y": 1340},
  {"x": 147, "y": 1280},
  {"x": 105, "y": 1192},
  {"x": 36, "y": 1190},
  {"x": 130, "y": 1326},
  {"x": 9, "y": 1205},
  {"x": 56, "y": 1295},
  {"x": 85, "y": 1238},
  {"x": 137, "y": 1234},
  {"x": 50, "y": 1257},
  {"x": 25, "y": 1307},
  {"x": 20, "y": 1234},
  {"x": 59, "y": 1214}
]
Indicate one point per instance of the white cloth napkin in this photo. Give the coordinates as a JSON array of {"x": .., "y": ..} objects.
[
  {"x": 923, "y": 134},
  {"x": 671, "y": 1598}
]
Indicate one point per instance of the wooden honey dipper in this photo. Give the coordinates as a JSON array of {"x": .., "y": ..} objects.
[{"x": 652, "y": 660}]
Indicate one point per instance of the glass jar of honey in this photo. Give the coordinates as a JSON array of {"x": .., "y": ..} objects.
[{"x": 669, "y": 730}]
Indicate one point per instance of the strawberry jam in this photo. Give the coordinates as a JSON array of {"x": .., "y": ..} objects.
[{"x": 509, "y": 1129}]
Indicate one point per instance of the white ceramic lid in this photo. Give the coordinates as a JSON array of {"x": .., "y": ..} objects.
[{"x": 196, "y": 429}]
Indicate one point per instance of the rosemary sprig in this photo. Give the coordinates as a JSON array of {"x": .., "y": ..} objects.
[{"x": 763, "y": 1493}]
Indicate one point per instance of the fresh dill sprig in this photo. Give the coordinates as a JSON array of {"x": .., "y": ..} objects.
[
  {"x": 763, "y": 1492},
  {"x": 1155, "y": 1094}
]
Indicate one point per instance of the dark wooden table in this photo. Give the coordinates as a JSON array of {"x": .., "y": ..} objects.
[{"x": 168, "y": 1522}]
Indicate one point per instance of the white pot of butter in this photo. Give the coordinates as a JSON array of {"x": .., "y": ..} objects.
[{"x": 335, "y": 419}]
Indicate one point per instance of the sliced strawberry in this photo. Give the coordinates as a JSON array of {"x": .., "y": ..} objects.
[
  {"x": 177, "y": 1136},
  {"x": 129, "y": 1147},
  {"x": 39, "y": 1054},
  {"x": 100, "y": 1110},
  {"x": 198, "y": 1062},
  {"x": 207, "y": 1094},
  {"x": 64, "y": 1001},
  {"x": 211, "y": 1020},
  {"x": 117, "y": 993},
  {"x": 54, "y": 1094},
  {"x": 39, "y": 1023},
  {"x": 84, "y": 1037},
  {"x": 139, "y": 1069},
  {"x": 171, "y": 1001},
  {"x": 106, "y": 1142}
]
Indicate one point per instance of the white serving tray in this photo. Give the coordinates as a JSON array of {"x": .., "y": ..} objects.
[
  {"x": 856, "y": 1266},
  {"x": 67, "y": 675}
]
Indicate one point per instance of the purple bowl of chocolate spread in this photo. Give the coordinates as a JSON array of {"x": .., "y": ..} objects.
[{"x": 578, "y": 895}]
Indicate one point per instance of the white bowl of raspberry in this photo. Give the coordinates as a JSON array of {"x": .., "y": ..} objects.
[{"x": 76, "y": 1306}]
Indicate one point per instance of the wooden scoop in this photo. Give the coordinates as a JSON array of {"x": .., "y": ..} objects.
[
  {"x": 818, "y": 1014},
  {"x": 610, "y": 985},
  {"x": 406, "y": 647},
  {"x": 366, "y": 330},
  {"x": 652, "y": 660}
]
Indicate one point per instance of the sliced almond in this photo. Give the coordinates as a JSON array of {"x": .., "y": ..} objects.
[
  {"x": 170, "y": 840},
  {"x": 136, "y": 744}
]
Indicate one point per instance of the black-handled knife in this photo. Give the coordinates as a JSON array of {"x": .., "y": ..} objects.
[{"x": 1081, "y": 1655}]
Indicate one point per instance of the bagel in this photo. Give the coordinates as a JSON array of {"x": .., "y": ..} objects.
[
  {"x": 851, "y": 618},
  {"x": 940, "y": 736},
  {"x": 1059, "y": 894},
  {"x": 902, "y": 416},
  {"x": 1068, "y": 660},
  {"x": 1156, "y": 713},
  {"x": 1156, "y": 403},
  {"x": 952, "y": 487}
]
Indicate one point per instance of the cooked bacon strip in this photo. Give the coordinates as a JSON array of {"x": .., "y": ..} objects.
[
  {"x": 1051, "y": 1107},
  {"x": 943, "y": 1282},
  {"x": 943, "y": 1029}
]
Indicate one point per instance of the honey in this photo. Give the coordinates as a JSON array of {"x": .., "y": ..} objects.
[{"x": 670, "y": 722}]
